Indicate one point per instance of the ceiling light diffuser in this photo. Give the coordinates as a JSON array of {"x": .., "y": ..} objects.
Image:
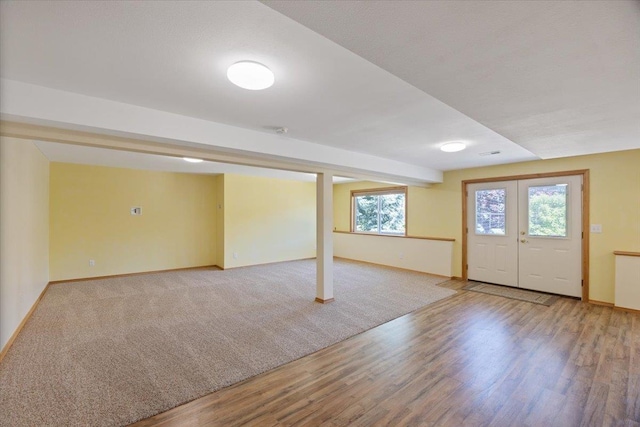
[
  {"x": 250, "y": 75},
  {"x": 452, "y": 147},
  {"x": 192, "y": 160}
]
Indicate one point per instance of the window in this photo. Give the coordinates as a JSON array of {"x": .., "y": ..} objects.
[
  {"x": 380, "y": 211},
  {"x": 490, "y": 211},
  {"x": 548, "y": 211}
]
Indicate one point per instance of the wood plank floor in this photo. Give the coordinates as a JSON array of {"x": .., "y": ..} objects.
[{"x": 472, "y": 359}]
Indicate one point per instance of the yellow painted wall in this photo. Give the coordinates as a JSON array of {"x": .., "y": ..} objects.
[
  {"x": 90, "y": 219},
  {"x": 268, "y": 220},
  {"x": 24, "y": 231},
  {"x": 615, "y": 203},
  {"x": 419, "y": 214}
]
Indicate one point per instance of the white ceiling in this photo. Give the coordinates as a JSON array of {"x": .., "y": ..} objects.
[
  {"x": 559, "y": 78},
  {"x": 388, "y": 79},
  {"x": 67, "y": 153}
]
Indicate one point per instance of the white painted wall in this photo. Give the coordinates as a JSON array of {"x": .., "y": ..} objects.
[
  {"x": 427, "y": 256},
  {"x": 24, "y": 231},
  {"x": 628, "y": 282}
]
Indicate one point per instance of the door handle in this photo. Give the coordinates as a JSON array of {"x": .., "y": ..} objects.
[{"x": 523, "y": 241}]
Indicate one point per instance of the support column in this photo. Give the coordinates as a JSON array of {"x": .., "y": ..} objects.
[{"x": 324, "y": 238}]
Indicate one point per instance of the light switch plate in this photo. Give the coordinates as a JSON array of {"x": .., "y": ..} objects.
[{"x": 596, "y": 228}]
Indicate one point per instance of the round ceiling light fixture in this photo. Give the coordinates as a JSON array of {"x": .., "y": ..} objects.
[
  {"x": 192, "y": 160},
  {"x": 250, "y": 75},
  {"x": 452, "y": 147}
]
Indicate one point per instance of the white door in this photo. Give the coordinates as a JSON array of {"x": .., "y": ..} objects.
[
  {"x": 492, "y": 227},
  {"x": 527, "y": 234},
  {"x": 550, "y": 223}
]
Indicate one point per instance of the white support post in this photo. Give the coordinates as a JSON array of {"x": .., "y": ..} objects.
[{"x": 324, "y": 238}]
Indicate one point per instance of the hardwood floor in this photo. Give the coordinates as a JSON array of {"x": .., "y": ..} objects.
[{"x": 472, "y": 359}]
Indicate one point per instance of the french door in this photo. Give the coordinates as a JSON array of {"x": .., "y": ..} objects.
[{"x": 527, "y": 233}]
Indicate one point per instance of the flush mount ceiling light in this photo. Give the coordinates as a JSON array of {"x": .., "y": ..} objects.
[
  {"x": 250, "y": 75},
  {"x": 452, "y": 147},
  {"x": 192, "y": 160}
]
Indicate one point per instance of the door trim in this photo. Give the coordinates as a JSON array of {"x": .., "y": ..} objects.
[{"x": 585, "y": 217}]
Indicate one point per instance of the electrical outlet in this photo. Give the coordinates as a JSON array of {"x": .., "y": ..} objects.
[
  {"x": 235, "y": 255},
  {"x": 92, "y": 263},
  {"x": 401, "y": 255}
]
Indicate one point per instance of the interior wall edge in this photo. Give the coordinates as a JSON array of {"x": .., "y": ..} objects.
[{"x": 24, "y": 232}]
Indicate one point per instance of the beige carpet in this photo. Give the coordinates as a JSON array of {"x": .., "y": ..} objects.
[
  {"x": 513, "y": 293},
  {"x": 114, "y": 351}
]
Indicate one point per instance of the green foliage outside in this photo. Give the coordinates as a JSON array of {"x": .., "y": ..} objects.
[
  {"x": 366, "y": 213},
  {"x": 380, "y": 213},
  {"x": 548, "y": 211}
]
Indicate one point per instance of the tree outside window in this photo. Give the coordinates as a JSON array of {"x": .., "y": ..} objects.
[
  {"x": 548, "y": 211},
  {"x": 380, "y": 211}
]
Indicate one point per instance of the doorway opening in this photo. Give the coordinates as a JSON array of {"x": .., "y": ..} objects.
[{"x": 528, "y": 231}]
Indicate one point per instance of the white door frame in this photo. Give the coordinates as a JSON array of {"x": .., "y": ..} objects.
[{"x": 585, "y": 218}]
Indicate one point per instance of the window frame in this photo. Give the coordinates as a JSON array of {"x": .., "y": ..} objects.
[
  {"x": 475, "y": 204},
  {"x": 379, "y": 192}
]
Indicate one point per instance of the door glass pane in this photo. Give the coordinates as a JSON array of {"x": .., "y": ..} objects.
[
  {"x": 548, "y": 211},
  {"x": 490, "y": 211}
]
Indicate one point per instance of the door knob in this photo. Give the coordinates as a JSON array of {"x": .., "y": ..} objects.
[{"x": 523, "y": 241}]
